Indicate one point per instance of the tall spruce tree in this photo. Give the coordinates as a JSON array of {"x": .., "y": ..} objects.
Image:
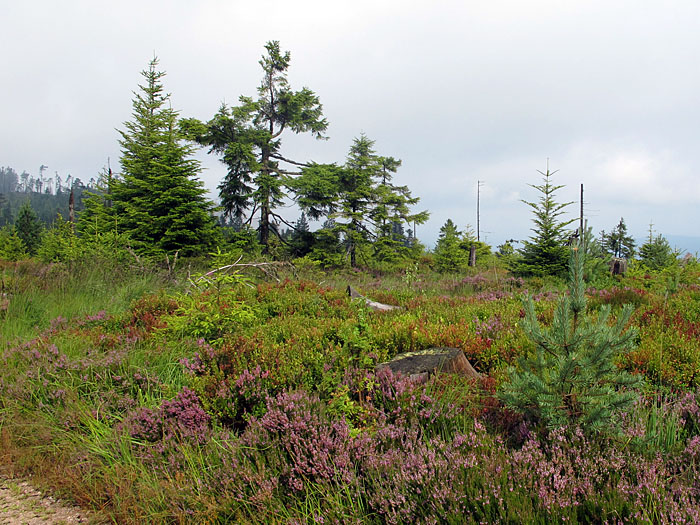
[
  {"x": 573, "y": 378},
  {"x": 596, "y": 269},
  {"x": 158, "y": 200},
  {"x": 5, "y": 211},
  {"x": 469, "y": 239},
  {"x": 545, "y": 253},
  {"x": 248, "y": 138}
]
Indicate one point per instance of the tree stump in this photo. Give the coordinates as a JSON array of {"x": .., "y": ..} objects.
[
  {"x": 618, "y": 266},
  {"x": 422, "y": 364}
]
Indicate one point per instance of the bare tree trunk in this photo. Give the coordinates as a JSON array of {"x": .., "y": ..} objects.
[
  {"x": 71, "y": 210},
  {"x": 265, "y": 227}
]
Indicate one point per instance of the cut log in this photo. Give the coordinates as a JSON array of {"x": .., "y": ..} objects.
[
  {"x": 425, "y": 363},
  {"x": 374, "y": 305}
]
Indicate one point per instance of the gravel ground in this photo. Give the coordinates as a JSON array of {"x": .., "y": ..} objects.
[{"x": 21, "y": 504}]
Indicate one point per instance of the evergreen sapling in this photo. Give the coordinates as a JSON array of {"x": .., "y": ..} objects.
[{"x": 573, "y": 378}]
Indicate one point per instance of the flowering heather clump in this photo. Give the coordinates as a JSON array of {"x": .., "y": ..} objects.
[
  {"x": 489, "y": 328},
  {"x": 312, "y": 449},
  {"x": 184, "y": 418},
  {"x": 688, "y": 407},
  {"x": 144, "y": 424},
  {"x": 544, "y": 296},
  {"x": 617, "y": 296},
  {"x": 475, "y": 282},
  {"x": 493, "y": 295},
  {"x": 413, "y": 480},
  {"x": 42, "y": 358},
  {"x": 398, "y": 398},
  {"x": 57, "y": 324},
  {"x": 514, "y": 282},
  {"x": 99, "y": 316},
  {"x": 198, "y": 364},
  {"x": 180, "y": 419},
  {"x": 572, "y": 475}
]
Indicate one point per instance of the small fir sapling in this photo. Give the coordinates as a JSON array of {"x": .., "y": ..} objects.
[{"x": 573, "y": 378}]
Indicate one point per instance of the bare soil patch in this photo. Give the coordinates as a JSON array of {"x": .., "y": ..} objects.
[{"x": 20, "y": 503}]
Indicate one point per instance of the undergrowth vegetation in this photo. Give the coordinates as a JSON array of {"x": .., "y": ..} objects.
[{"x": 230, "y": 397}]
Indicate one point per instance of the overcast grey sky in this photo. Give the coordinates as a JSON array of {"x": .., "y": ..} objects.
[{"x": 459, "y": 90}]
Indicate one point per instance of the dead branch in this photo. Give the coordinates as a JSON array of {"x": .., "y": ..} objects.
[
  {"x": 269, "y": 269},
  {"x": 171, "y": 269},
  {"x": 137, "y": 258},
  {"x": 280, "y": 157}
]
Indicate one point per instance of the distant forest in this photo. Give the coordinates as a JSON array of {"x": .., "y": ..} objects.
[{"x": 48, "y": 195}]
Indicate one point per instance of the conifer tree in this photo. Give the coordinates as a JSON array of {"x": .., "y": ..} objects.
[
  {"x": 99, "y": 214},
  {"x": 656, "y": 253},
  {"x": 9, "y": 180},
  {"x": 11, "y": 246},
  {"x": 618, "y": 243},
  {"x": 249, "y": 139},
  {"x": 469, "y": 239},
  {"x": 391, "y": 210},
  {"x": 358, "y": 197},
  {"x": 5, "y": 212},
  {"x": 158, "y": 201},
  {"x": 545, "y": 253},
  {"x": 573, "y": 377},
  {"x": 301, "y": 240},
  {"x": 449, "y": 256},
  {"x": 355, "y": 196},
  {"x": 327, "y": 247},
  {"x": 28, "y": 227},
  {"x": 596, "y": 269},
  {"x": 392, "y": 203}
]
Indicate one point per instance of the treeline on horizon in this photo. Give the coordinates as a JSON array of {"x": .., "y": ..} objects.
[{"x": 157, "y": 204}]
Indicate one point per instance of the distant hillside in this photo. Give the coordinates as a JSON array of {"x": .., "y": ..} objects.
[
  {"x": 48, "y": 195},
  {"x": 45, "y": 205},
  {"x": 684, "y": 243}
]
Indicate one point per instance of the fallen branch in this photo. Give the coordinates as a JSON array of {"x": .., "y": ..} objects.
[
  {"x": 267, "y": 268},
  {"x": 374, "y": 305}
]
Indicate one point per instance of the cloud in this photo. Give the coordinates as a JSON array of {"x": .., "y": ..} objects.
[{"x": 633, "y": 173}]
